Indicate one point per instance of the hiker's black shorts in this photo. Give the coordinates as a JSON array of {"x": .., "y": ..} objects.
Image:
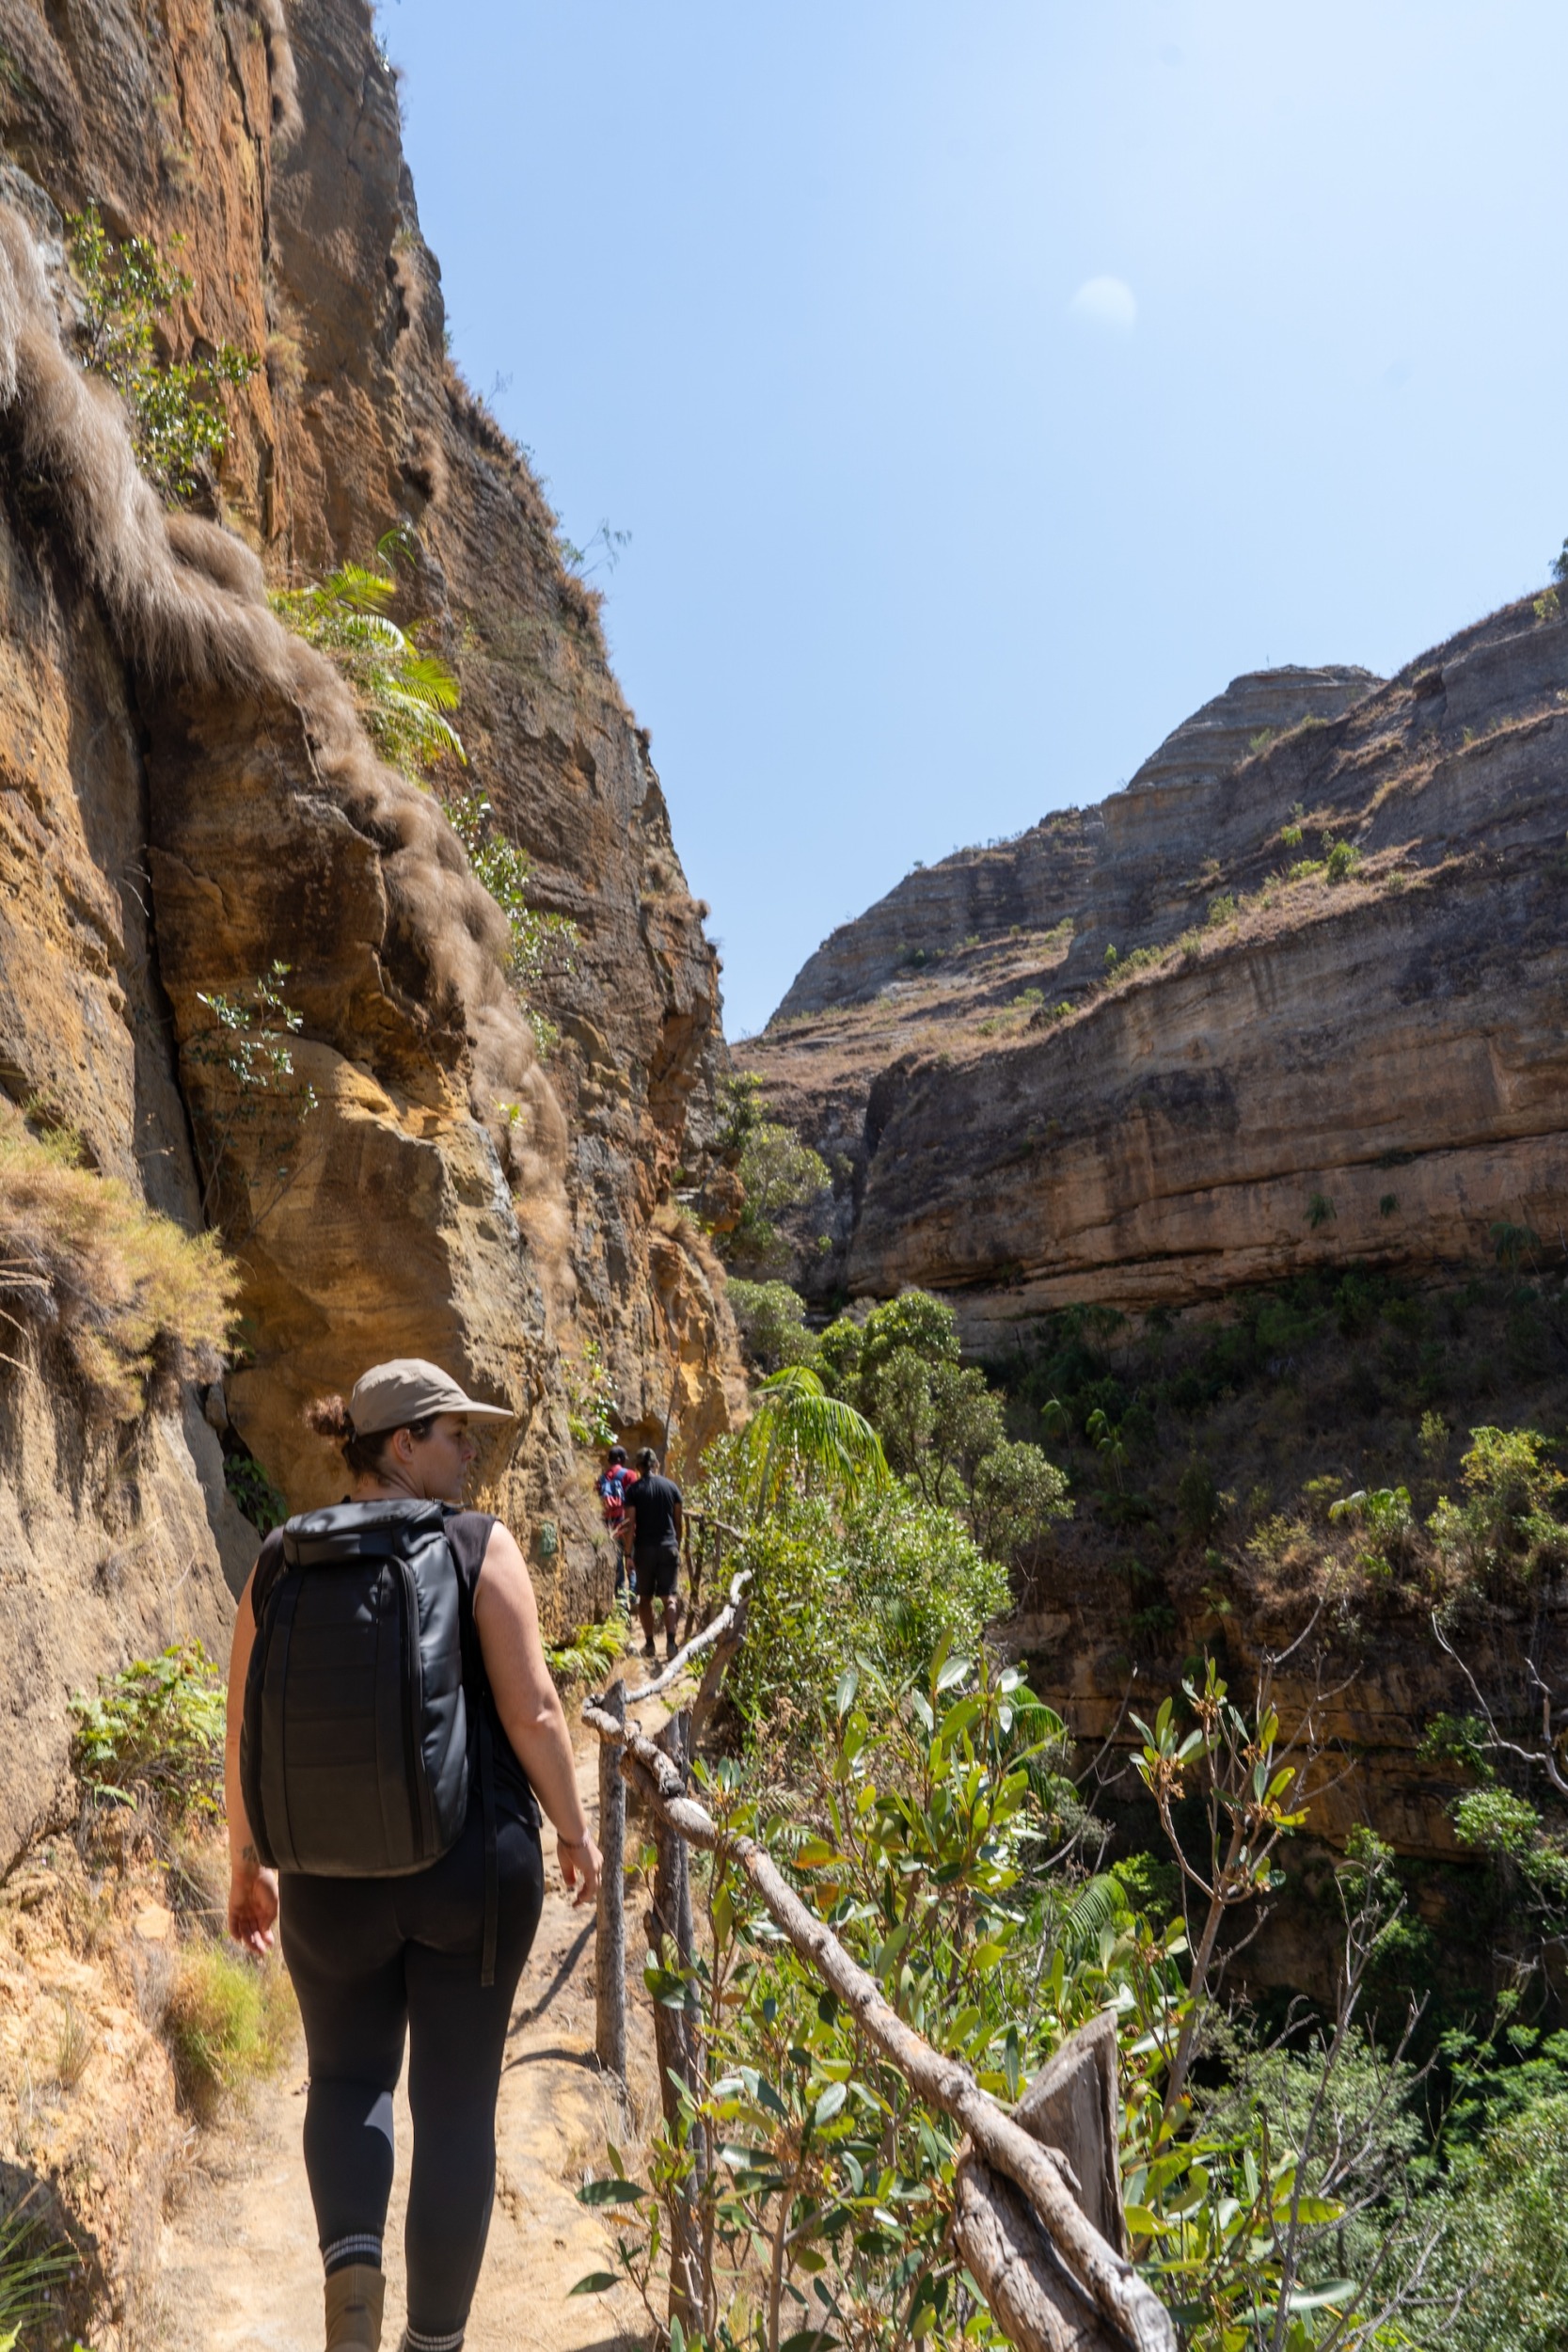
[
  {"x": 374, "y": 1960},
  {"x": 656, "y": 1572}
]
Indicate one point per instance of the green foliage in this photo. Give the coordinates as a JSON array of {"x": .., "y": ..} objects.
[
  {"x": 1222, "y": 910},
  {"x": 740, "y": 1111},
  {"x": 1320, "y": 1211},
  {"x": 178, "y": 421},
  {"x": 249, "y": 1032},
  {"x": 884, "y": 1581},
  {"x": 823, "y": 2186},
  {"x": 254, "y": 1492},
  {"x": 797, "y": 1434},
  {"x": 230, "y": 2021},
  {"x": 542, "y": 944},
  {"x": 1290, "y": 836},
  {"x": 1497, "y": 1822},
  {"x": 915, "y": 1320},
  {"x": 155, "y": 1727},
  {"x": 778, "y": 1172},
  {"x": 1499, "y": 2277},
  {"x": 1548, "y": 607},
  {"x": 591, "y": 1397},
  {"x": 1387, "y": 1516},
  {"x": 772, "y": 1322},
  {"x": 1343, "y": 859},
  {"x": 248, "y": 1062},
  {"x": 403, "y": 692},
  {"x": 588, "y": 1657},
  {"x": 839, "y": 1349},
  {"x": 1509, "y": 1516},
  {"x": 33, "y": 2267}
]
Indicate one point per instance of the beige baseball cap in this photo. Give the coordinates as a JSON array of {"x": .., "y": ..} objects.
[{"x": 390, "y": 1396}]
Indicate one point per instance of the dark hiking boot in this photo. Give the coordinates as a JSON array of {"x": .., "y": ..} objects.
[{"x": 355, "y": 2297}]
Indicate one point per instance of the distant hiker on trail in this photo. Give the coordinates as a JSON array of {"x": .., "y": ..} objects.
[
  {"x": 654, "y": 1509},
  {"x": 612, "y": 1483},
  {"x": 392, "y": 1732}
]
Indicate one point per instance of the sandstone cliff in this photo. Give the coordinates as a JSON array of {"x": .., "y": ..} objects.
[
  {"x": 1229, "y": 1099},
  {"x": 186, "y": 800}
]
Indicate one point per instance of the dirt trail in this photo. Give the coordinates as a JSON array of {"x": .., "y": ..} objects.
[{"x": 239, "y": 2268}]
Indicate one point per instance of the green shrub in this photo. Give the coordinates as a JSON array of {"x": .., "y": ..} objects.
[
  {"x": 157, "y": 1725},
  {"x": 254, "y": 1492},
  {"x": 588, "y": 1657},
  {"x": 542, "y": 944},
  {"x": 1499, "y": 2277},
  {"x": 179, "y": 425},
  {"x": 772, "y": 1321},
  {"x": 403, "y": 694},
  {"x": 229, "y": 2020},
  {"x": 1343, "y": 859},
  {"x": 883, "y": 1585}
]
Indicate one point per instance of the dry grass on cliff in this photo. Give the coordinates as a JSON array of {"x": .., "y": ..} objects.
[
  {"x": 134, "y": 1300},
  {"x": 187, "y": 602}
]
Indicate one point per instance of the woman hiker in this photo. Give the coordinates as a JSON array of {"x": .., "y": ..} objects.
[{"x": 393, "y": 1585}]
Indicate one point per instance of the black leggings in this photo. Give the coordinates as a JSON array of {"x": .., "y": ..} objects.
[{"x": 369, "y": 1958}]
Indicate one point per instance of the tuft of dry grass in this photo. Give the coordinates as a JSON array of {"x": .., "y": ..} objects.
[
  {"x": 230, "y": 2021},
  {"x": 132, "y": 1297}
]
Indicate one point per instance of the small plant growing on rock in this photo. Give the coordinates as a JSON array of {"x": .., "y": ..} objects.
[
  {"x": 1343, "y": 859},
  {"x": 542, "y": 944},
  {"x": 402, "y": 692},
  {"x": 178, "y": 421},
  {"x": 1548, "y": 607},
  {"x": 246, "y": 1056},
  {"x": 155, "y": 1727},
  {"x": 1320, "y": 1211}
]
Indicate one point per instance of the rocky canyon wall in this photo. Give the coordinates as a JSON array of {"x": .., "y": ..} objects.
[
  {"x": 1207, "y": 1057},
  {"x": 188, "y": 800}
]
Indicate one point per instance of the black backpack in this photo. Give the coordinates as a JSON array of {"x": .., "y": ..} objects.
[{"x": 363, "y": 1687}]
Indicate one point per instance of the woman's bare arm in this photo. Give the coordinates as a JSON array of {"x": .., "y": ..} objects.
[
  {"x": 252, "y": 1888},
  {"x": 528, "y": 1704}
]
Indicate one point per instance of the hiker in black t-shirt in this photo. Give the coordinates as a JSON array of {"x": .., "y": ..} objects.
[{"x": 653, "y": 1508}]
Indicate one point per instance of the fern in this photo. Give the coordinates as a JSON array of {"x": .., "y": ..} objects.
[{"x": 404, "y": 692}]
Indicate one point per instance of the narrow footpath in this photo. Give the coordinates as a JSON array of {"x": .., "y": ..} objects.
[{"x": 239, "y": 2270}]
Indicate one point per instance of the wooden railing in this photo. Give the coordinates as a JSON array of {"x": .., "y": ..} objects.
[{"x": 1038, "y": 2215}]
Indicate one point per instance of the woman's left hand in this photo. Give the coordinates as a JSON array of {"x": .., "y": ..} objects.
[
  {"x": 580, "y": 1864},
  {"x": 252, "y": 1905}
]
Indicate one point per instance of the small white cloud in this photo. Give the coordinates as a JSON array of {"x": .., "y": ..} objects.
[{"x": 1107, "y": 302}]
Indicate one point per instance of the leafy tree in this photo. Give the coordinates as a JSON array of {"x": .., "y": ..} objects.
[
  {"x": 914, "y": 1320},
  {"x": 1014, "y": 1495},
  {"x": 778, "y": 1172},
  {"x": 772, "y": 1320},
  {"x": 839, "y": 1358}
]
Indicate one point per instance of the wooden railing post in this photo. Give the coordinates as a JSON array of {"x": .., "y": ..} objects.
[
  {"x": 676, "y": 2040},
  {"x": 609, "y": 1954}
]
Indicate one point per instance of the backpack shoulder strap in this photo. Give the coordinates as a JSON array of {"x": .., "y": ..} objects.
[{"x": 468, "y": 1537}]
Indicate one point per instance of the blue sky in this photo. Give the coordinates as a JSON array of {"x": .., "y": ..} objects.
[{"x": 928, "y": 539}]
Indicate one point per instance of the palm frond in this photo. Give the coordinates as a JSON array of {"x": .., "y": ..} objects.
[
  {"x": 1098, "y": 1903},
  {"x": 797, "y": 1425}
]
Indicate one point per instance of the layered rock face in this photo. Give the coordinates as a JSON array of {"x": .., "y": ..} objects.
[
  {"x": 1278, "y": 1070},
  {"x": 1077, "y": 864},
  {"x": 187, "y": 803}
]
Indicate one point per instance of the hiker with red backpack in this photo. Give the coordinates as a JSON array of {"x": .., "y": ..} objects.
[
  {"x": 393, "y": 1731},
  {"x": 611, "y": 1485}
]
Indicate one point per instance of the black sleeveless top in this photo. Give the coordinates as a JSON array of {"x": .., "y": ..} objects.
[{"x": 468, "y": 1534}]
